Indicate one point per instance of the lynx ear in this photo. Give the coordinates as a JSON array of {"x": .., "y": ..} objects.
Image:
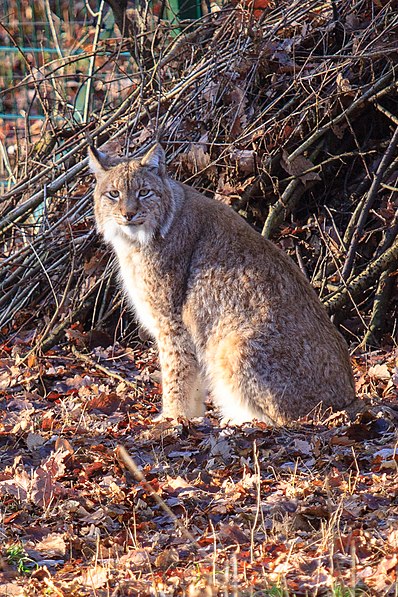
[
  {"x": 98, "y": 161},
  {"x": 155, "y": 159}
]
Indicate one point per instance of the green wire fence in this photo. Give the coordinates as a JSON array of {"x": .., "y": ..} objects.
[{"x": 53, "y": 72}]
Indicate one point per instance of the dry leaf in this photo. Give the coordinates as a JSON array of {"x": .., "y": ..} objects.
[
  {"x": 94, "y": 578},
  {"x": 379, "y": 372},
  {"x": 303, "y": 446},
  {"x": 62, "y": 444},
  {"x": 34, "y": 441},
  {"x": 135, "y": 558},
  {"x": 198, "y": 159},
  {"x": 11, "y": 589},
  {"x": 175, "y": 484},
  {"x": 393, "y": 538},
  {"x": 32, "y": 360},
  {"x": 386, "y": 564},
  {"x": 44, "y": 487},
  {"x": 167, "y": 557},
  {"x": 231, "y": 533},
  {"x": 5, "y": 380},
  {"x": 343, "y": 84},
  {"x": 18, "y": 486},
  {"x": 53, "y": 545},
  {"x": 245, "y": 160},
  {"x": 298, "y": 166},
  {"x": 226, "y": 192},
  {"x": 144, "y": 135}
]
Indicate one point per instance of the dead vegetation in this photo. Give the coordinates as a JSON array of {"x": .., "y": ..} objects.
[
  {"x": 290, "y": 117},
  {"x": 308, "y": 510},
  {"x": 288, "y": 112}
]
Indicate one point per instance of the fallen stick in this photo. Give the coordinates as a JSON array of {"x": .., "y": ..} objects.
[
  {"x": 371, "y": 196},
  {"x": 380, "y": 303},
  {"x": 363, "y": 281},
  {"x": 372, "y": 93},
  {"x": 90, "y": 361},
  {"x": 123, "y": 455}
]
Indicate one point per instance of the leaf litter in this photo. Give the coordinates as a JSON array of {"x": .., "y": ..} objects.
[{"x": 305, "y": 508}]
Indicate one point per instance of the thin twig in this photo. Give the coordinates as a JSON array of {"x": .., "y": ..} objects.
[
  {"x": 371, "y": 196},
  {"x": 288, "y": 201},
  {"x": 124, "y": 456},
  {"x": 363, "y": 281},
  {"x": 90, "y": 361},
  {"x": 374, "y": 91}
]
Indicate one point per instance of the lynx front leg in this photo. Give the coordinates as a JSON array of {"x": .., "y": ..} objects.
[{"x": 183, "y": 391}]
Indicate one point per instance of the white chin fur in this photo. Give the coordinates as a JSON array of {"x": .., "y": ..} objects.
[{"x": 114, "y": 234}]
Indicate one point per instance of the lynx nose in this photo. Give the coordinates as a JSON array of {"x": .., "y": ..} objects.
[{"x": 128, "y": 215}]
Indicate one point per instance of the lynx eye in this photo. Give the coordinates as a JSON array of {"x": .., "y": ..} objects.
[
  {"x": 114, "y": 194},
  {"x": 143, "y": 192}
]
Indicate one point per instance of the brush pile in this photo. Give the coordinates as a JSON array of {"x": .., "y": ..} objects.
[{"x": 287, "y": 112}]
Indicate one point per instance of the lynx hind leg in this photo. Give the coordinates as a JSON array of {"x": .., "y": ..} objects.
[
  {"x": 235, "y": 383},
  {"x": 230, "y": 402}
]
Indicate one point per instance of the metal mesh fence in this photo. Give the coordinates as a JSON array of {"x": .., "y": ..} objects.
[
  {"x": 61, "y": 65},
  {"x": 52, "y": 73}
]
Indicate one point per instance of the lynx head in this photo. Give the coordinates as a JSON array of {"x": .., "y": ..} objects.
[{"x": 133, "y": 199}]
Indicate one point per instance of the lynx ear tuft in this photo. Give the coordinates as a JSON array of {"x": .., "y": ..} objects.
[
  {"x": 97, "y": 160},
  {"x": 155, "y": 159}
]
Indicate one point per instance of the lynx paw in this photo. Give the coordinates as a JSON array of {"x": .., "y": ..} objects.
[{"x": 163, "y": 417}]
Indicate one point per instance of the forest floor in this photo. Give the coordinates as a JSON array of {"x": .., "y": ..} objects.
[{"x": 307, "y": 510}]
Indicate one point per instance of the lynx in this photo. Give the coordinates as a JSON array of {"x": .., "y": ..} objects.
[{"x": 231, "y": 313}]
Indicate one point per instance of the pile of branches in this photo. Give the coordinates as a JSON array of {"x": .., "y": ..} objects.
[{"x": 288, "y": 113}]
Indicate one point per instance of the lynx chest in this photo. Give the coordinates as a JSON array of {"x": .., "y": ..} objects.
[{"x": 136, "y": 287}]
